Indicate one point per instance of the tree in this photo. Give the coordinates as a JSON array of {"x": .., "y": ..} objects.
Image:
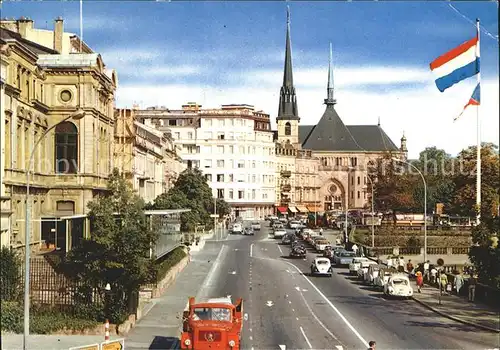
[
  {"x": 485, "y": 251},
  {"x": 394, "y": 187},
  {"x": 464, "y": 200},
  {"x": 191, "y": 191},
  {"x": 118, "y": 249}
]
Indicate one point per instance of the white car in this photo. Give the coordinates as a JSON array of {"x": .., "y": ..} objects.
[
  {"x": 294, "y": 224},
  {"x": 356, "y": 265},
  {"x": 256, "y": 226},
  {"x": 383, "y": 277},
  {"x": 279, "y": 232},
  {"x": 320, "y": 245},
  {"x": 364, "y": 268},
  {"x": 237, "y": 228},
  {"x": 321, "y": 266},
  {"x": 398, "y": 285}
]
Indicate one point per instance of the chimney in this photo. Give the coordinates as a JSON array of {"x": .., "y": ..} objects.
[
  {"x": 58, "y": 34},
  {"x": 24, "y": 24}
]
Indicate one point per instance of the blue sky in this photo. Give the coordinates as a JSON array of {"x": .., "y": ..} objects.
[{"x": 168, "y": 53}]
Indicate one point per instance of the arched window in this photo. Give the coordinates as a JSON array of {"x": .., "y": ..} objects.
[
  {"x": 66, "y": 161},
  {"x": 288, "y": 129}
]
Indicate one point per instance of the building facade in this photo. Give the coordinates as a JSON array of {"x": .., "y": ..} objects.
[
  {"x": 145, "y": 155},
  {"x": 71, "y": 163},
  {"x": 233, "y": 146},
  {"x": 323, "y": 166}
]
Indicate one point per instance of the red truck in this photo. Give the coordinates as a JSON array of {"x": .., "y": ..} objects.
[{"x": 214, "y": 324}]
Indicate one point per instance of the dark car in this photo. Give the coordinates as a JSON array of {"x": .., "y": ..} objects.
[
  {"x": 289, "y": 238},
  {"x": 298, "y": 251}
]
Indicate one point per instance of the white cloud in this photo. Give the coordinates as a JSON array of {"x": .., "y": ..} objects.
[
  {"x": 424, "y": 114},
  {"x": 91, "y": 22}
]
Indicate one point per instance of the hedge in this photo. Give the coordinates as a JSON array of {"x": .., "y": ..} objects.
[
  {"x": 170, "y": 260},
  {"x": 10, "y": 276},
  {"x": 42, "y": 321}
]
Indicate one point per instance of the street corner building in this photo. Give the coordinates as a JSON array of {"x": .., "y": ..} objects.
[
  {"x": 324, "y": 166},
  {"x": 46, "y": 76}
]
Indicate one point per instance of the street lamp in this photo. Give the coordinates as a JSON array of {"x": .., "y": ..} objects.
[
  {"x": 373, "y": 212},
  {"x": 425, "y": 203},
  {"x": 77, "y": 115},
  {"x": 347, "y": 205}
]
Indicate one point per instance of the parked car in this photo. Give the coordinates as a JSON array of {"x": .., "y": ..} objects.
[
  {"x": 398, "y": 285},
  {"x": 298, "y": 251},
  {"x": 279, "y": 233},
  {"x": 321, "y": 266},
  {"x": 344, "y": 257},
  {"x": 356, "y": 265},
  {"x": 383, "y": 277},
  {"x": 364, "y": 268},
  {"x": 256, "y": 225}
]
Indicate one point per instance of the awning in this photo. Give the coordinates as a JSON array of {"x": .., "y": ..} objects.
[
  {"x": 292, "y": 209},
  {"x": 313, "y": 209},
  {"x": 302, "y": 209},
  {"x": 282, "y": 210}
]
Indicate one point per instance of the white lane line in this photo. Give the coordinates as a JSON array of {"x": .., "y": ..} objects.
[
  {"x": 356, "y": 333},
  {"x": 250, "y": 337},
  {"x": 289, "y": 302},
  {"x": 279, "y": 247},
  {"x": 251, "y": 250},
  {"x": 297, "y": 318},
  {"x": 293, "y": 310},
  {"x": 210, "y": 276},
  {"x": 305, "y": 337}
]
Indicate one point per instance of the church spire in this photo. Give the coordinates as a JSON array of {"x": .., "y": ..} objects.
[
  {"x": 288, "y": 100},
  {"x": 330, "y": 100}
]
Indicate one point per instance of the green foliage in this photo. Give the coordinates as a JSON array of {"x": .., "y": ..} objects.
[
  {"x": 485, "y": 252},
  {"x": 43, "y": 320},
  {"x": 10, "y": 280},
  {"x": 191, "y": 191},
  {"x": 118, "y": 250},
  {"x": 164, "y": 265}
]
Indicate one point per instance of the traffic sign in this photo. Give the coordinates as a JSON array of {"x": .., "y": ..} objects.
[
  {"x": 86, "y": 347},
  {"x": 116, "y": 344}
]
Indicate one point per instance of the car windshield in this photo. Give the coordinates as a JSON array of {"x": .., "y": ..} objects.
[
  {"x": 255, "y": 223},
  {"x": 212, "y": 314},
  {"x": 400, "y": 282},
  {"x": 322, "y": 262}
]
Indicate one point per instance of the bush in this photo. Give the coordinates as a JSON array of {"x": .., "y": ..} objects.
[
  {"x": 170, "y": 260},
  {"x": 43, "y": 320},
  {"x": 10, "y": 276}
]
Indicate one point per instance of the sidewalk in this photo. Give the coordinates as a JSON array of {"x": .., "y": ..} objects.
[
  {"x": 458, "y": 308},
  {"x": 51, "y": 342}
]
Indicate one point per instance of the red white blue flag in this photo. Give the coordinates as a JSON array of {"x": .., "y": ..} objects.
[
  {"x": 475, "y": 100},
  {"x": 456, "y": 65}
]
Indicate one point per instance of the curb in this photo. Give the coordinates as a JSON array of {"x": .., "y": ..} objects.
[{"x": 486, "y": 328}]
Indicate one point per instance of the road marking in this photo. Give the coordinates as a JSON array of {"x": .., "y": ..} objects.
[
  {"x": 250, "y": 329},
  {"x": 297, "y": 318},
  {"x": 210, "y": 276},
  {"x": 279, "y": 247},
  {"x": 356, "y": 333},
  {"x": 251, "y": 250},
  {"x": 305, "y": 337},
  {"x": 232, "y": 273},
  {"x": 250, "y": 337},
  {"x": 339, "y": 347},
  {"x": 235, "y": 249},
  {"x": 245, "y": 317},
  {"x": 289, "y": 302},
  {"x": 293, "y": 310},
  {"x": 269, "y": 303},
  {"x": 282, "y": 347}
]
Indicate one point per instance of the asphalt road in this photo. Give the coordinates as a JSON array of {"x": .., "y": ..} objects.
[{"x": 286, "y": 307}]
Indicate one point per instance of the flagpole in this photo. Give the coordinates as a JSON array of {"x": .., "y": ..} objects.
[
  {"x": 81, "y": 25},
  {"x": 478, "y": 160}
]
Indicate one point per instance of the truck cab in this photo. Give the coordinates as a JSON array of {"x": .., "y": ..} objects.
[{"x": 213, "y": 324}]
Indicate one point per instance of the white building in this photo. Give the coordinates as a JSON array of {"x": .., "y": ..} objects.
[{"x": 234, "y": 148}]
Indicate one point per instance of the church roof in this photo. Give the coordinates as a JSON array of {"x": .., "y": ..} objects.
[{"x": 367, "y": 138}]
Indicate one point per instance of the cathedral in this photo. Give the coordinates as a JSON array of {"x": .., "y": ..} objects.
[{"x": 324, "y": 166}]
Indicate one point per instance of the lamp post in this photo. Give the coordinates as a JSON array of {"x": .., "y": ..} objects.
[
  {"x": 347, "y": 204},
  {"x": 425, "y": 202},
  {"x": 77, "y": 115},
  {"x": 373, "y": 213}
]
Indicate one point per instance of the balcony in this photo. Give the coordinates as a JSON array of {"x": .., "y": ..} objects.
[
  {"x": 286, "y": 188},
  {"x": 286, "y": 173}
]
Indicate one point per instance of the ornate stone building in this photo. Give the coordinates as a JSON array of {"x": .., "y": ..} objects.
[
  {"x": 145, "y": 155},
  {"x": 72, "y": 162},
  {"x": 324, "y": 166}
]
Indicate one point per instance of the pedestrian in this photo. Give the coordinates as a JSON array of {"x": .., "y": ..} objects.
[
  {"x": 472, "y": 287},
  {"x": 426, "y": 270},
  {"x": 420, "y": 281},
  {"x": 355, "y": 249},
  {"x": 443, "y": 280},
  {"x": 458, "y": 282},
  {"x": 321, "y": 231},
  {"x": 372, "y": 345},
  {"x": 409, "y": 267},
  {"x": 389, "y": 261},
  {"x": 434, "y": 272}
]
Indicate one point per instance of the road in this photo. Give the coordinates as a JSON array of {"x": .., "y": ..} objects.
[{"x": 284, "y": 307}]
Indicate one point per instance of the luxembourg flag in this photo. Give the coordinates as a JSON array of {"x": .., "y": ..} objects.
[
  {"x": 475, "y": 100},
  {"x": 456, "y": 65}
]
